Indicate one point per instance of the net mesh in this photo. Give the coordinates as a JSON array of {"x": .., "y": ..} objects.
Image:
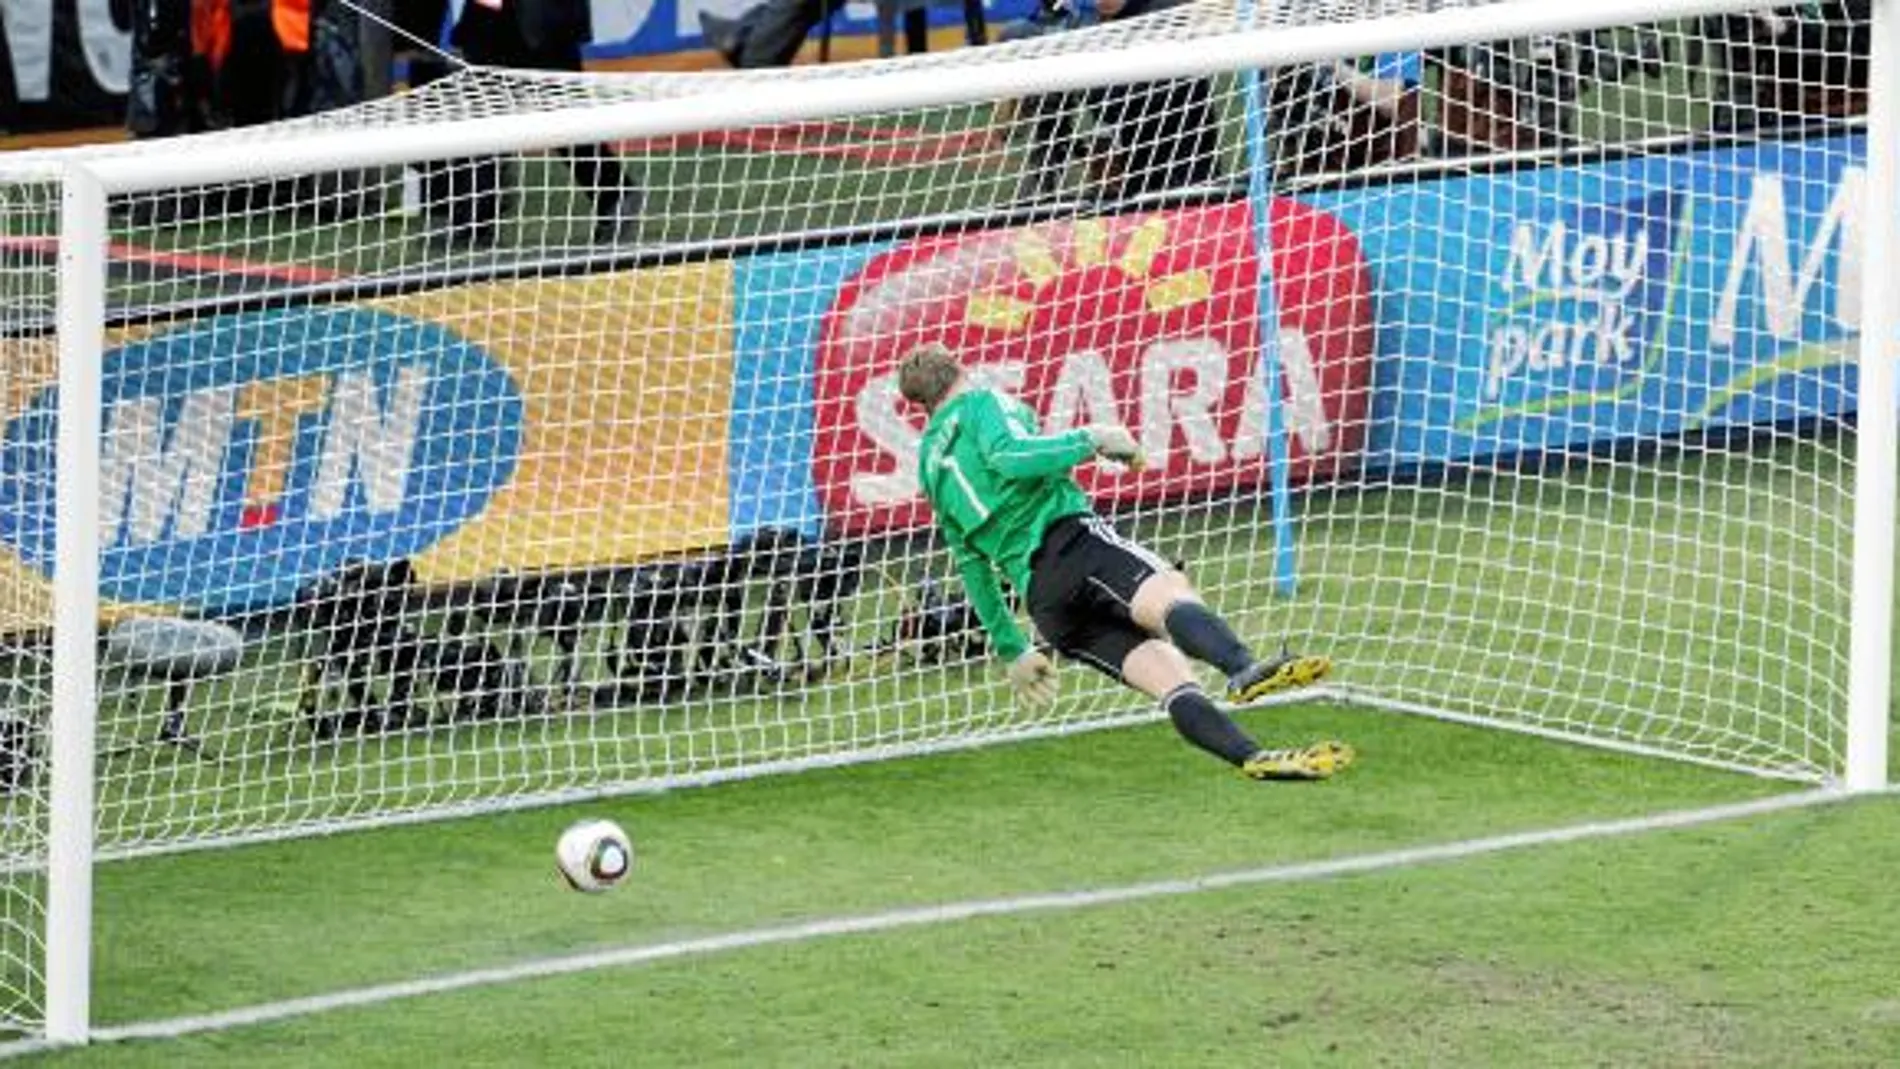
[
  {"x": 495, "y": 481},
  {"x": 28, "y": 295}
]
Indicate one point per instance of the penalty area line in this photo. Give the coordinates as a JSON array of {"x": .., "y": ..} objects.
[{"x": 948, "y": 913}]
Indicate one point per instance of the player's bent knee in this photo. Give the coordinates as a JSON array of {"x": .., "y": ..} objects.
[
  {"x": 1157, "y": 594},
  {"x": 1155, "y": 667}
]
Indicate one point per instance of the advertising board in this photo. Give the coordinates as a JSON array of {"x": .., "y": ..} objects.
[
  {"x": 1577, "y": 307},
  {"x": 1150, "y": 320},
  {"x": 526, "y": 425}
]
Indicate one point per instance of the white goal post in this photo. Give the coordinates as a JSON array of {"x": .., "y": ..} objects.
[{"x": 1527, "y": 440}]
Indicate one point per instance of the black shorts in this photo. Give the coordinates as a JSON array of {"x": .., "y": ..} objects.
[{"x": 1082, "y": 581}]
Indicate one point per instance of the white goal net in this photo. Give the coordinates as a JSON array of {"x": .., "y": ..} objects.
[
  {"x": 28, "y": 219},
  {"x": 1517, "y": 375}
]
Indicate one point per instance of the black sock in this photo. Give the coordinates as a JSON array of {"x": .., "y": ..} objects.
[
  {"x": 1206, "y": 637},
  {"x": 1202, "y": 723}
]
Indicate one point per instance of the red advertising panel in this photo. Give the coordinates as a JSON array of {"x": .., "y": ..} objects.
[{"x": 1150, "y": 320}]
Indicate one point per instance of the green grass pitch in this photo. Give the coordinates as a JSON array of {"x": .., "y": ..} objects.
[{"x": 1761, "y": 943}]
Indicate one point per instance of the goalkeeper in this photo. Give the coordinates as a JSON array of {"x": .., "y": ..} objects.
[{"x": 1004, "y": 499}]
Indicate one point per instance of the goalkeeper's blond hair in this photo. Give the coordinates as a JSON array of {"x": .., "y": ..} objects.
[{"x": 927, "y": 374}]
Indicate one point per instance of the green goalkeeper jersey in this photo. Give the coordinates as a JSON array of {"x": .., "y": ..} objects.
[{"x": 996, "y": 486}]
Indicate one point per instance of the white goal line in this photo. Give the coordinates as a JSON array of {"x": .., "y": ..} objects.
[{"x": 927, "y": 916}]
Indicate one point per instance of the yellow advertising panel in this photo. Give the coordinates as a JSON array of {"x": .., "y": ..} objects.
[
  {"x": 627, "y": 382},
  {"x": 547, "y": 423}
]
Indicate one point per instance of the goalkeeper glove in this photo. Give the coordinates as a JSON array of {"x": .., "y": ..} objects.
[
  {"x": 1034, "y": 677},
  {"x": 1113, "y": 442}
]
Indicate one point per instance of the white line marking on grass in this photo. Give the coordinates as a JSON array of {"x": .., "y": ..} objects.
[{"x": 947, "y": 914}]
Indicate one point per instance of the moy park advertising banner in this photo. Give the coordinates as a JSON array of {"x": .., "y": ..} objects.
[
  {"x": 561, "y": 423},
  {"x": 1570, "y": 307}
]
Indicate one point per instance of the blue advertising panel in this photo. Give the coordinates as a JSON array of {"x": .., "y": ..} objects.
[
  {"x": 779, "y": 307},
  {"x": 1566, "y": 307}
]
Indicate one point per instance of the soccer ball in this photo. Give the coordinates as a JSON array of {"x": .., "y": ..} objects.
[{"x": 593, "y": 855}]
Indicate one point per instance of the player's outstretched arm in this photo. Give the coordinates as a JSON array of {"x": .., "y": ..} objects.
[
  {"x": 1113, "y": 442},
  {"x": 986, "y": 596},
  {"x": 1014, "y": 451},
  {"x": 1032, "y": 674}
]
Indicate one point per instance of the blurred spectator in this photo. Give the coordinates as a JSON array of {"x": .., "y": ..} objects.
[
  {"x": 466, "y": 195},
  {"x": 768, "y": 34},
  {"x": 1341, "y": 117},
  {"x": 1047, "y": 124},
  {"x": 1152, "y": 136},
  {"x": 199, "y": 64},
  {"x": 376, "y": 46},
  {"x": 1504, "y": 96},
  {"x": 1788, "y": 64},
  {"x": 1129, "y": 140},
  {"x": 202, "y": 64},
  {"x": 418, "y": 27},
  {"x": 170, "y": 83},
  {"x": 1383, "y": 84}
]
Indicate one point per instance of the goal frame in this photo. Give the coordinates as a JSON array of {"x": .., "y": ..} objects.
[{"x": 88, "y": 178}]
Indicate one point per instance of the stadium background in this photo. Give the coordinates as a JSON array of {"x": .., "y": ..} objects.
[{"x": 64, "y": 63}]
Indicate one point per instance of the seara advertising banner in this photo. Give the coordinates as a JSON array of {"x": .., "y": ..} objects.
[
  {"x": 545, "y": 424},
  {"x": 1150, "y": 320},
  {"x": 1576, "y": 307}
]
